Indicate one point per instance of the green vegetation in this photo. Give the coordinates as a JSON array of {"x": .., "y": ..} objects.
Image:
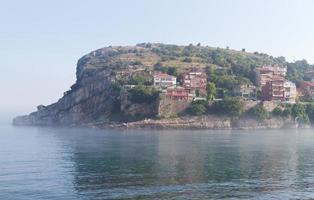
[
  {"x": 143, "y": 94},
  {"x": 296, "y": 70},
  {"x": 198, "y": 107},
  {"x": 228, "y": 106},
  {"x": 277, "y": 111},
  {"x": 140, "y": 80},
  {"x": 211, "y": 91},
  {"x": 259, "y": 112},
  {"x": 299, "y": 112}
]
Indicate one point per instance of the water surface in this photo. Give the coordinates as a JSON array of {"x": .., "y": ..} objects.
[{"x": 56, "y": 163}]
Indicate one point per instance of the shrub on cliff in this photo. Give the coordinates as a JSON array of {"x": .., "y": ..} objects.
[
  {"x": 277, "y": 111},
  {"x": 228, "y": 106},
  {"x": 143, "y": 94},
  {"x": 259, "y": 112},
  {"x": 286, "y": 112},
  {"x": 140, "y": 80},
  {"x": 299, "y": 113},
  {"x": 211, "y": 91},
  {"x": 198, "y": 107}
]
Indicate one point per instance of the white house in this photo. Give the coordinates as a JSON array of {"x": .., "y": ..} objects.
[
  {"x": 164, "y": 81},
  {"x": 290, "y": 91}
]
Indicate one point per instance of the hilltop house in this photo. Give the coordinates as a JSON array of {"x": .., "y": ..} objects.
[
  {"x": 266, "y": 73},
  {"x": 163, "y": 81},
  {"x": 195, "y": 81},
  {"x": 290, "y": 91},
  {"x": 245, "y": 90},
  {"x": 274, "y": 90}
]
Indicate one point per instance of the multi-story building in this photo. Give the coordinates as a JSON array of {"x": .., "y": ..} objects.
[
  {"x": 245, "y": 90},
  {"x": 195, "y": 80},
  {"x": 290, "y": 91},
  {"x": 164, "y": 81},
  {"x": 266, "y": 73},
  {"x": 179, "y": 93},
  {"x": 263, "y": 76},
  {"x": 274, "y": 90}
]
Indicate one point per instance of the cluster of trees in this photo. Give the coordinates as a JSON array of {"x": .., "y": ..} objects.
[
  {"x": 259, "y": 112},
  {"x": 140, "y": 80},
  {"x": 304, "y": 113},
  {"x": 168, "y": 70},
  {"x": 229, "y": 106},
  {"x": 143, "y": 94},
  {"x": 234, "y": 107}
]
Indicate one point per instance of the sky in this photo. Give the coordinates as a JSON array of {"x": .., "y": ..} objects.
[{"x": 41, "y": 41}]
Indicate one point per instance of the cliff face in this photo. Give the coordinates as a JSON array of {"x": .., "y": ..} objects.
[{"x": 90, "y": 98}]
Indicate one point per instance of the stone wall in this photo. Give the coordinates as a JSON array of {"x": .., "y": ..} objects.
[{"x": 168, "y": 107}]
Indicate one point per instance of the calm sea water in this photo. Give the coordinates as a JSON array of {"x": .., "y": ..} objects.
[{"x": 50, "y": 163}]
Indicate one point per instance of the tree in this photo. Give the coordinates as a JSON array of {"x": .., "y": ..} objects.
[
  {"x": 188, "y": 60},
  {"x": 172, "y": 71},
  {"x": 277, "y": 111},
  {"x": 211, "y": 91},
  {"x": 299, "y": 112},
  {"x": 259, "y": 112},
  {"x": 286, "y": 112},
  {"x": 198, "y": 107},
  {"x": 143, "y": 94},
  {"x": 140, "y": 80},
  {"x": 228, "y": 106}
]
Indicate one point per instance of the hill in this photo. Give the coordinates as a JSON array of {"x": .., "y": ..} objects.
[{"x": 95, "y": 97}]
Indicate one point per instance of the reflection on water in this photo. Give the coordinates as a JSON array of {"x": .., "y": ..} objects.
[{"x": 45, "y": 163}]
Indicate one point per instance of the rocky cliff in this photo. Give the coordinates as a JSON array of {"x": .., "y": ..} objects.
[{"x": 90, "y": 98}]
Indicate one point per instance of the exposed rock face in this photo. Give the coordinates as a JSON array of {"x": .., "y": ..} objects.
[
  {"x": 90, "y": 98},
  {"x": 129, "y": 108},
  {"x": 168, "y": 107}
]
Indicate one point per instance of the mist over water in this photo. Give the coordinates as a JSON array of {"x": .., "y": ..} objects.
[{"x": 55, "y": 163}]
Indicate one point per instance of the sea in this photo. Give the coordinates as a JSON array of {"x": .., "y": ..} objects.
[{"x": 69, "y": 163}]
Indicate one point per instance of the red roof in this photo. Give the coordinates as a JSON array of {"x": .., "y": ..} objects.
[
  {"x": 164, "y": 75},
  {"x": 310, "y": 84}
]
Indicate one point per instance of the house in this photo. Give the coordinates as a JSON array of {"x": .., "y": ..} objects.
[
  {"x": 263, "y": 76},
  {"x": 195, "y": 80},
  {"x": 290, "y": 91},
  {"x": 179, "y": 93},
  {"x": 245, "y": 90},
  {"x": 267, "y": 72},
  {"x": 274, "y": 90},
  {"x": 164, "y": 81},
  {"x": 307, "y": 88}
]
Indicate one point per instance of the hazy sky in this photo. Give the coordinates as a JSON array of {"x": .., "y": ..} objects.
[{"x": 41, "y": 41}]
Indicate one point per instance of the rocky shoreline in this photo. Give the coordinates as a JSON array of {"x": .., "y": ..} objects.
[{"x": 202, "y": 122}]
